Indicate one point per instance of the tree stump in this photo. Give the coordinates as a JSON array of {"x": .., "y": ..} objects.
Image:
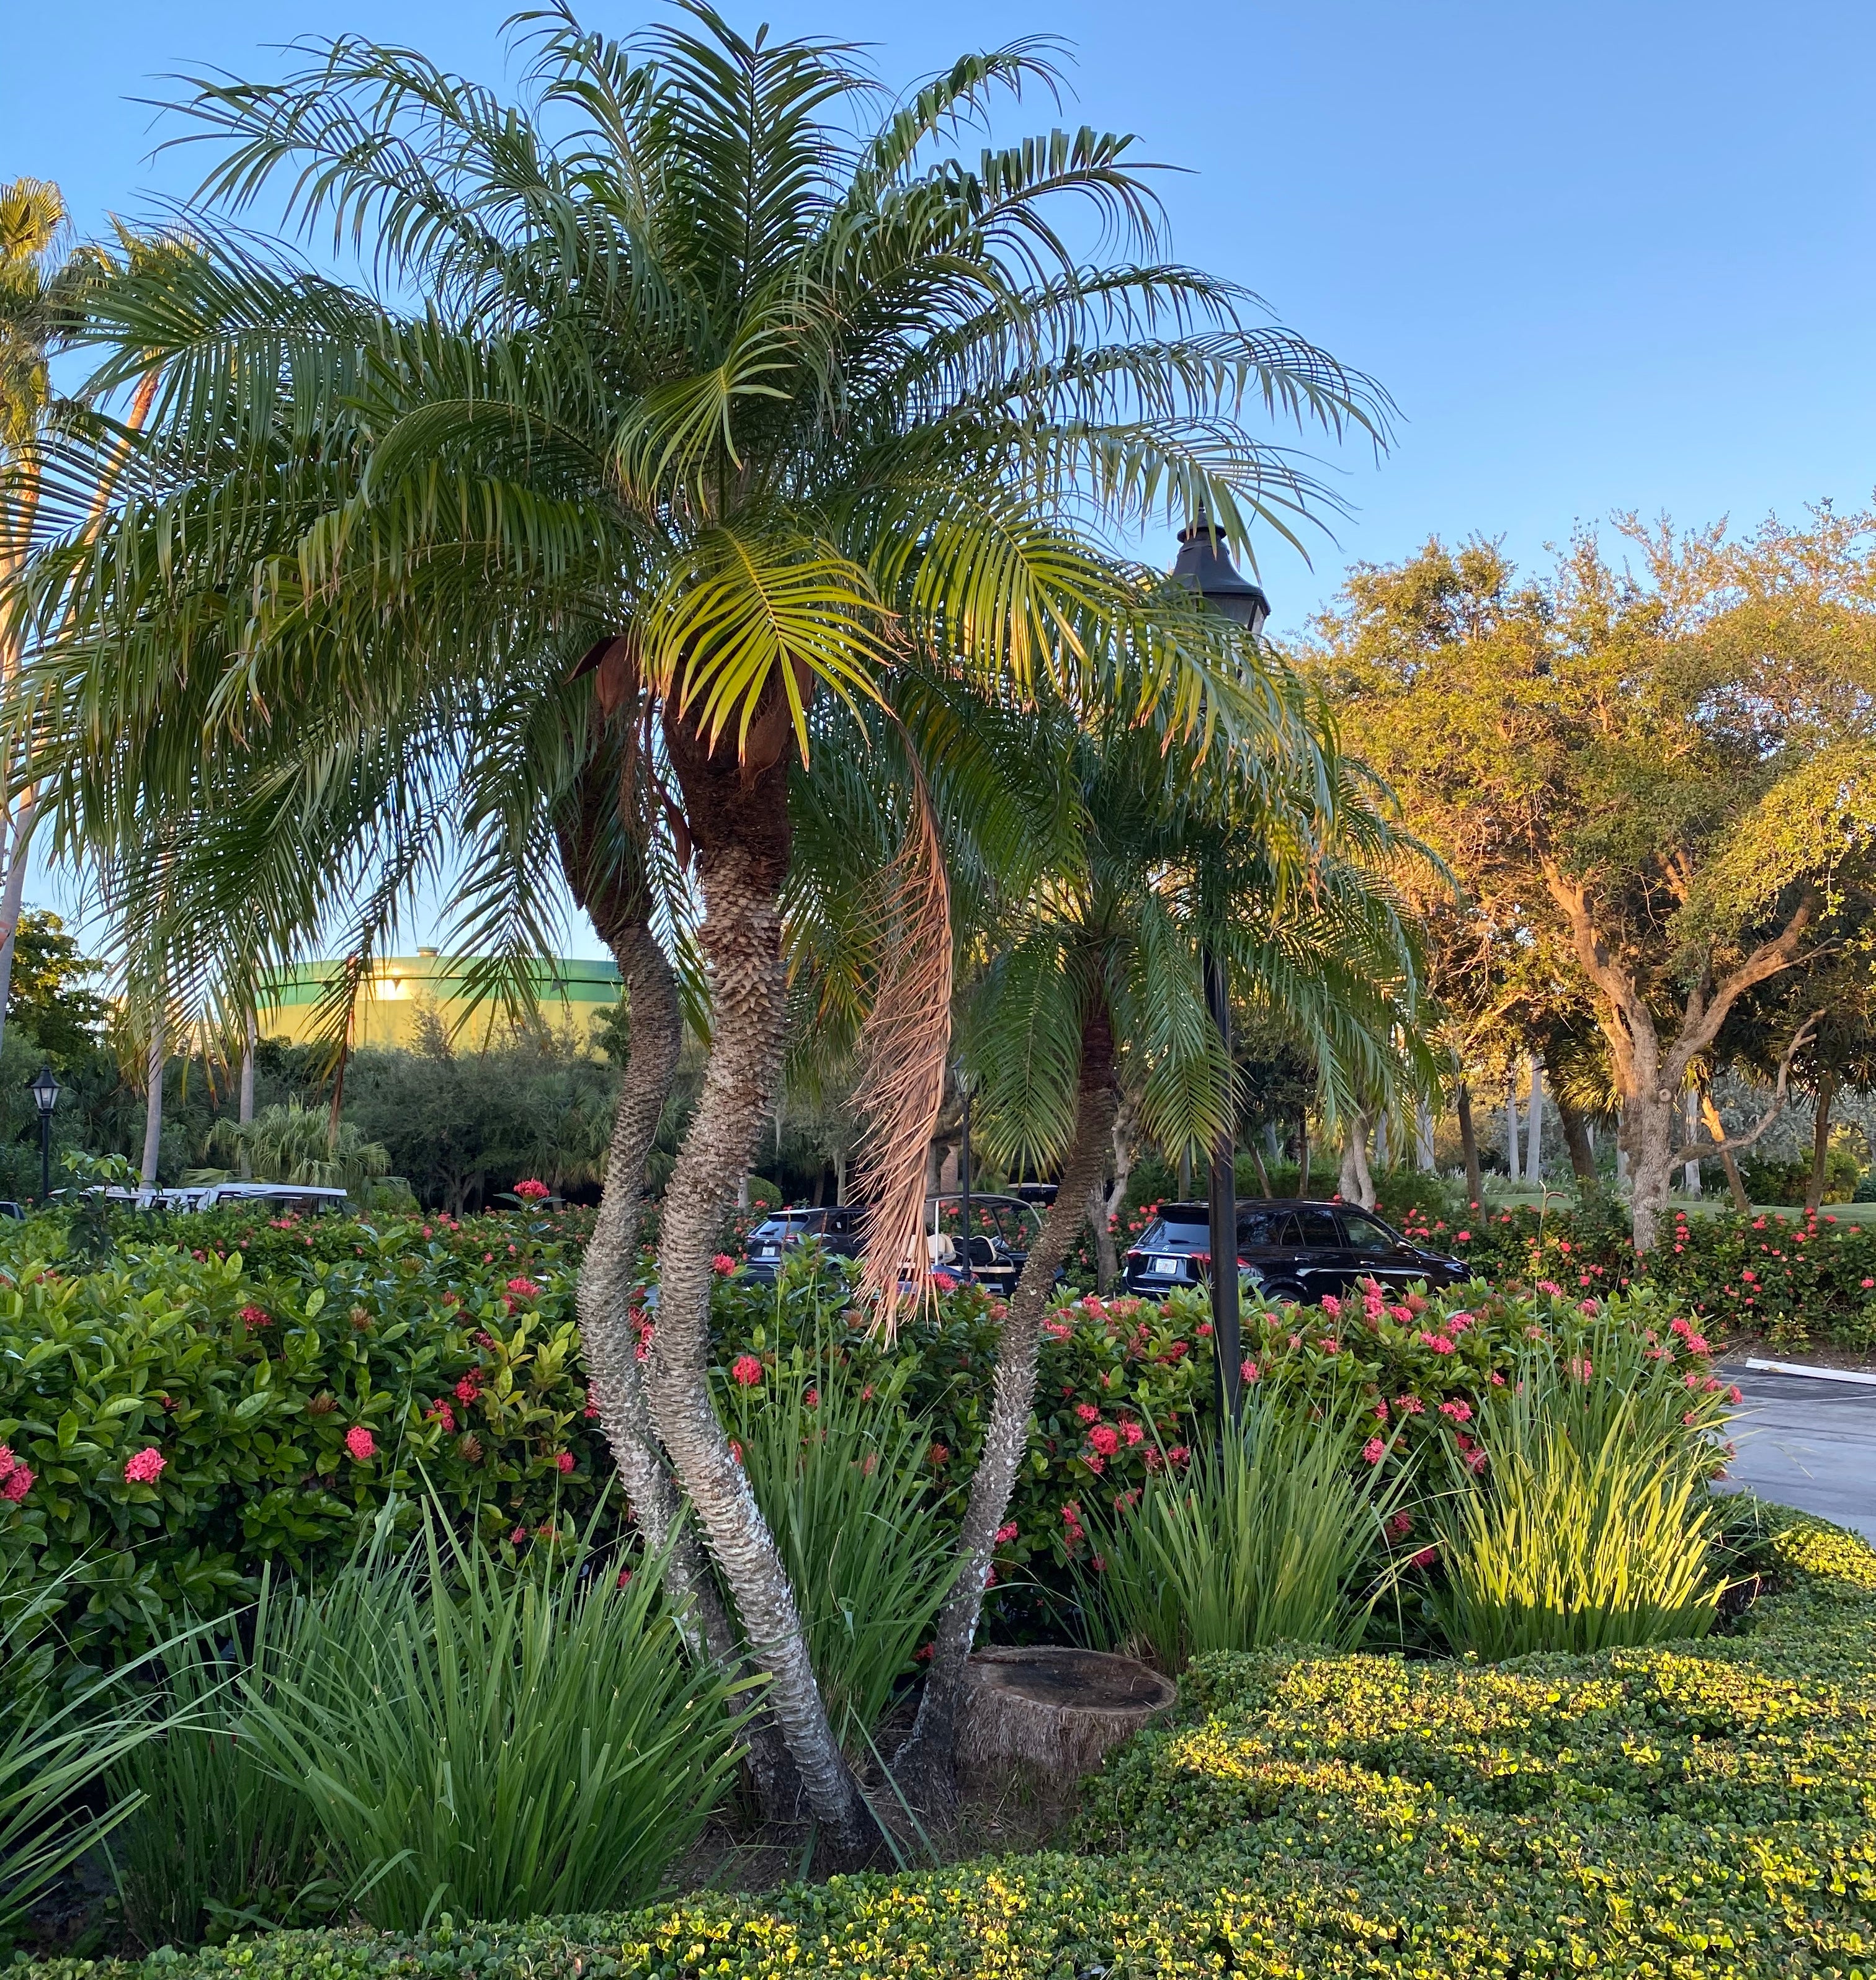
[{"x": 1054, "y": 1709}]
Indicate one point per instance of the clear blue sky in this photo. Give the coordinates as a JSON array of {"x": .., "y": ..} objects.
[{"x": 1604, "y": 257}]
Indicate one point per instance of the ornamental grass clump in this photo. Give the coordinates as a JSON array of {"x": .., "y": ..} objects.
[
  {"x": 461, "y": 1736},
  {"x": 844, "y": 1471},
  {"x": 1592, "y": 1526},
  {"x": 1268, "y": 1536}
]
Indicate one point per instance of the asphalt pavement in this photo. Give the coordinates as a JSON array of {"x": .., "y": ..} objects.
[{"x": 1808, "y": 1442}]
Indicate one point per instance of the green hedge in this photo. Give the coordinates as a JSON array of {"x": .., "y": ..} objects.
[
  {"x": 281, "y": 1409},
  {"x": 1790, "y": 1278},
  {"x": 1707, "y": 1810},
  {"x": 251, "y": 1372}
]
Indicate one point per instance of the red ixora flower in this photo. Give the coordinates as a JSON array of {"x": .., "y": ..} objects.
[
  {"x": 1087, "y": 1412},
  {"x": 939, "y": 1454},
  {"x": 145, "y": 1468},
  {"x": 1104, "y": 1439},
  {"x": 441, "y": 1412},
  {"x": 360, "y": 1442},
  {"x": 1426, "y": 1557},
  {"x": 256, "y": 1316},
  {"x": 723, "y": 1264},
  {"x": 563, "y": 1460},
  {"x": 467, "y": 1390},
  {"x": 746, "y": 1371},
  {"x": 15, "y": 1482},
  {"x": 1006, "y": 1532},
  {"x": 523, "y": 1289},
  {"x": 531, "y": 1189},
  {"x": 1374, "y": 1450}
]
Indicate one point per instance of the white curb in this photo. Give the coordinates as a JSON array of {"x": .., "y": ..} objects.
[{"x": 1822, "y": 1374}]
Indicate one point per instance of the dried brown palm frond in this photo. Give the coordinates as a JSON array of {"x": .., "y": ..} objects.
[{"x": 904, "y": 1046}]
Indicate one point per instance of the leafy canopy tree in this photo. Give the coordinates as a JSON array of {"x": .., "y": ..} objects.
[
  {"x": 735, "y": 398},
  {"x": 1664, "y": 773}
]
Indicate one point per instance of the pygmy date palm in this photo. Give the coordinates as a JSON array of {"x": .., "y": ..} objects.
[
  {"x": 732, "y": 394},
  {"x": 1184, "y": 848}
]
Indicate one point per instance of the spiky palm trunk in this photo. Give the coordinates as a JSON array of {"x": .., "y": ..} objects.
[
  {"x": 926, "y": 1767},
  {"x": 739, "y": 824},
  {"x": 618, "y": 904}
]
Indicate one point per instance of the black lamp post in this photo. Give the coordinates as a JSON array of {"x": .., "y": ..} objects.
[
  {"x": 965, "y": 1271},
  {"x": 1204, "y": 565},
  {"x": 46, "y": 1090}
]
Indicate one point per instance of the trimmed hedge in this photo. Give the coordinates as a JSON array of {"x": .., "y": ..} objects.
[{"x": 1707, "y": 1810}]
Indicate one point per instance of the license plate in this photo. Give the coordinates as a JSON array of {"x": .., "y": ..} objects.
[
  {"x": 768, "y": 1251},
  {"x": 1165, "y": 1268}
]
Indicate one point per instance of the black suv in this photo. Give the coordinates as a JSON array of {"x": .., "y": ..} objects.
[
  {"x": 838, "y": 1230},
  {"x": 1295, "y": 1251}
]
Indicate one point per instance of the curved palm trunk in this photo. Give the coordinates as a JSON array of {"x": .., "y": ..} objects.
[
  {"x": 739, "y": 823},
  {"x": 927, "y": 1764},
  {"x": 617, "y": 903}
]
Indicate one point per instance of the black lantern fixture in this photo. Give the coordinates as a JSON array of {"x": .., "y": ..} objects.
[
  {"x": 1204, "y": 565},
  {"x": 46, "y": 1090}
]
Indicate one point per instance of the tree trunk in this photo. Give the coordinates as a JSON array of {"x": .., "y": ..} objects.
[
  {"x": 1468, "y": 1144},
  {"x": 1648, "y": 1078},
  {"x": 1105, "y": 1206},
  {"x": 738, "y": 818},
  {"x": 1302, "y": 1158},
  {"x": 1534, "y": 1133},
  {"x": 1355, "y": 1184},
  {"x": 13, "y": 898},
  {"x": 1424, "y": 1156},
  {"x": 1820, "y": 1141},
  {"x": 153, "y": 1105},
  {"x": 1511, "y": 1128},
  {"x": 1729, "y": 1161},
  {"x": 927, "y": 1765},
  {"x": 1576, "y": 1139},
  {"x": 1690, "y": 1132},
  {"x": 606, "y": 877}
]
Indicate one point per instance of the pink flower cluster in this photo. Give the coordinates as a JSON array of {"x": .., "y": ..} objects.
[
  {"x": 746, "y": 1371},
  {"x": 530, "y": 1189},
  {"x": 360, "y": 1442},
  {"x": 723, "y": 1264},
  {"x": 15, "y": 1478},
  {"x": 143, "y": 1467}
]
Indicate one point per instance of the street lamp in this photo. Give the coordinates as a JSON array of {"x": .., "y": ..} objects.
[
  {"x": 46, "y": 1090},
  {"x": 1204, "y": 565}
]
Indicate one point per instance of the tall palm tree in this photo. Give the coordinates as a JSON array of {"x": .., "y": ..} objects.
[
  {"x": 1185, "y": 847},
  {"x": 734, "y": 396}
]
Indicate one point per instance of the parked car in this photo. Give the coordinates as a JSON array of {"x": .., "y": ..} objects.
[
  {"x": 278, "y": 1199},
  {"x": 1288, "y": 1250},
  {"x": 837, "y": 1227},
  {"x": 1003, "y": 1230}
]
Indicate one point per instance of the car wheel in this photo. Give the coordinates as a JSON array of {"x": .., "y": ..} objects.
[{"x": 1284, "y": 1294}]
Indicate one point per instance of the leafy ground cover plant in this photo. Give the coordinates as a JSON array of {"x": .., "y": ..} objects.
[
  {"x": 1269, "y": 1533},
  {"x": 1595, "y": 1528},
  {"x": 1705, "y": 1811},
  {"x": 442, "y": 1733}
]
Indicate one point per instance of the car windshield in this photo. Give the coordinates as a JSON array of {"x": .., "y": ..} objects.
[
  {"x": 1015, "y": 1223},
  {"x": 1164, "y": 1234},
  {"x": 783, "y": 1228}
]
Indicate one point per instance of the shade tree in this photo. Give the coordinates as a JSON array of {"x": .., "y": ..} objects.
[{"x": 1662, "y": 767}]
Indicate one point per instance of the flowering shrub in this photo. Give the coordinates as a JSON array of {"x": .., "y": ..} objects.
[
  {"x": 1789, "y": 1278},
  {"x": 171, "y": 1423}
]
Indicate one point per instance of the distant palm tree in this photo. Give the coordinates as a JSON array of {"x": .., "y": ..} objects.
[
  {"x": 736, "y": 400},
  {"x": 296, "y": 1144}
]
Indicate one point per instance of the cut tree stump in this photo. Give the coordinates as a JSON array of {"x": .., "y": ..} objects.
[{"x": 1053, "y": 1709}]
